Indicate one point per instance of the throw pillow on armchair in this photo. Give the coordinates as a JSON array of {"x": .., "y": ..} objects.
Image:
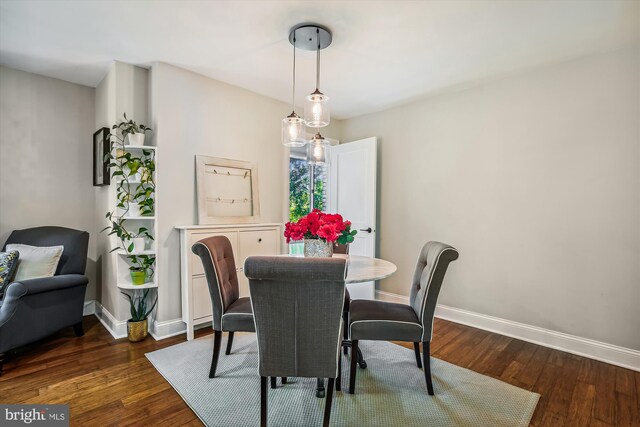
[{"x": 8, "y": 265}]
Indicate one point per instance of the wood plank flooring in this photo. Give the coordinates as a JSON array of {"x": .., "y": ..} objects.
[{"x": 109, "y": 382}]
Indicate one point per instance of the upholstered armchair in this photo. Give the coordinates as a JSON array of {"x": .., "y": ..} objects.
[{"x": 33, "y": 309}]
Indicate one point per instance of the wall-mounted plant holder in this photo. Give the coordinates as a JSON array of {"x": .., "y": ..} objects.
[{"x": 227, "y": 191}]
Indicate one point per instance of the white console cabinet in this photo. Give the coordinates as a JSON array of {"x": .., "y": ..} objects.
[{"x": 246, "y": 240}]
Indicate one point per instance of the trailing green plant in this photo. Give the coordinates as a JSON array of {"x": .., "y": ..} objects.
[
  {"x": 138, "y": 306},
  {"x": 125, "y": 236},
  {"x": 142, "y": 263},
  {"x": 126, "y": 165},
  {"x": 128, "y": 126}
]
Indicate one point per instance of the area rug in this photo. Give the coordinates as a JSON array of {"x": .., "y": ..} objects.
[{"x": 390, "y": 392}]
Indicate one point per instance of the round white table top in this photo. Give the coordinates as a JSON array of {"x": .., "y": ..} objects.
[{"x": 365, "y": 269}]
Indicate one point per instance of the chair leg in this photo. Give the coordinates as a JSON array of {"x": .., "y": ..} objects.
[
  {"x": 263, "y": 401},
  {"x": 273, "y": 382},
  {"x": 77, "y": 328},
  {"x": 416, "y": 348},
  {"x": 284, "y": 380},
  {"x": 339, "y": 379},
  {"x": 361, "y": 362},
  {"x": 217, "y": 338},
  {"x": 345, "y": 319},
  {"x": 229, "y": 344},
  {"x": 327, "y": 404},
  {"x": 352, "y": 374},
  {"x": 426, "y": 360}
]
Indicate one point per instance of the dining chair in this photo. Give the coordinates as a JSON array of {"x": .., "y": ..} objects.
[
  {"x": 385, "y": 321},
  {"x": 297, "y": 305},
  {"x": 344, "y": 249},
  {"x": 230, "y": 312}
]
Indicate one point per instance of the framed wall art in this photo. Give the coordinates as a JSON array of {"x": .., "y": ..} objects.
[
  {"x": 227, "y": 191},
  {"x": 101, "y": 147}
]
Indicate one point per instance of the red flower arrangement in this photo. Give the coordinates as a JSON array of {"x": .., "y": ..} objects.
[{"x": 320, "y": 225}]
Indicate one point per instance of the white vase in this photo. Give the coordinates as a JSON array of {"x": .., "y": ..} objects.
[
  {"x": 134, "y": 209},
  {"x": 136, "y": 139},
  {"x": 138, "y": 244}
]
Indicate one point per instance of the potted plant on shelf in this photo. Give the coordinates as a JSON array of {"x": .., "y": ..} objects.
[
  {"x": 136, "y": 242},
  {"x": 141, "y": 268},
  {"x": 320, "y": 231},
  {"x": 137, "y": 326},
  {"x": 132, "y": 130},
  {"x": 129, "y": 241}
]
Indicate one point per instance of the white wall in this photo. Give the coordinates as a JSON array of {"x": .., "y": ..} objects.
[
  {"x": 536, "y": 180},
  {"x": 193, "y": 114},
  {"x": 46, "y": 172}
]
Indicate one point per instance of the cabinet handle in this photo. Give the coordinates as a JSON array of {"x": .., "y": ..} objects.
[{"x": 260, "y": 239}]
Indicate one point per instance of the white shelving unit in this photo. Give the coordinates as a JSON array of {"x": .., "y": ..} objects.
[
  {"x": 123, "y": 277},
  {"x": 148, "y": 285},
  {"x": 139, "y": 147},
  {"x": 139, "y": 218}
]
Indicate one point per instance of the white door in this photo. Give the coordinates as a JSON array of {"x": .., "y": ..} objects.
[{"x": 352, "y": 193}]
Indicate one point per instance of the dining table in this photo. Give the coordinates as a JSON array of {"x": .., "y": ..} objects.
[{"x": 359, "y": 269}]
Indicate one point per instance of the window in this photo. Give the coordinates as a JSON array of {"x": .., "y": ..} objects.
[
  {"x": 299, "y": 172},
  {"x": 299, "y": 191}
]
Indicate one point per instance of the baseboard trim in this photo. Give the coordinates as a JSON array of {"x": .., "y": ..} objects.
[
  {"x": 167, "y": 329},
  {"x": 117, "y": 328},
  {"x": 89, "y": 308},
  {"x": 609, "y": 353}
]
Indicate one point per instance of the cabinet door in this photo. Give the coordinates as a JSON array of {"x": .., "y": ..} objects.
[
  {"x": 201, "y": 300},
  {"x": 257, "y": 242},
  {"x": 254, "y": 242},
  {"x": 196, "y": 262}
]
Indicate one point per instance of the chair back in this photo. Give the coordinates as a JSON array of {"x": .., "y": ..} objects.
[
  {"x": 219, "y": 265},
  {"x": 75, "y": 242},
  {"x": 427, "y": 281},
  {"x": 297, "y": 307}
]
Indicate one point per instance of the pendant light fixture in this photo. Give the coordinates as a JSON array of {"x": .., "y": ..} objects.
[
  {"x": 312, "y": 37},
  {"x": 318, "y": 150},
  {"x": 293, "y": 131},
  {"x": 316, "y": 108}
]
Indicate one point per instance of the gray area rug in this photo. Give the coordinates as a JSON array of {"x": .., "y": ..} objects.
[{"x": 391, "y": 391}]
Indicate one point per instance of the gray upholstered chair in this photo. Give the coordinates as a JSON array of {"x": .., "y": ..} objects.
[
  {"x": 297, "y": 305},
  {"x": 344, "y": 249},
  {"x": 230, "y": 312},
  {"x": 385, "y": 321},
  {"x": 33, "y": 309}
]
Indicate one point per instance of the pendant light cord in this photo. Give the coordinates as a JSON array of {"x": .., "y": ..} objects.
[
  {"x": 293, "y": 95},
  {"x": 318, "y": 59}
]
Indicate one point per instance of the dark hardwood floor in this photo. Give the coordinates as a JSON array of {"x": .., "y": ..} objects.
[{"x": 110, "y": 382}]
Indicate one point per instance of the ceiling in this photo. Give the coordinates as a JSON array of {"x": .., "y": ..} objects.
[{"x": 384, "y": 53}]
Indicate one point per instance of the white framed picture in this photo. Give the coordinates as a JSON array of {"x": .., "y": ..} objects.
[{"x": 227, "y": 191}]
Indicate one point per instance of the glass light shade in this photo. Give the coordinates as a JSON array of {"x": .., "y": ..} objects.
[
  {"x": 317, "y": 154},
  {"x": 293, "y": 131},
  {"x": 316, "y": 110}
]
